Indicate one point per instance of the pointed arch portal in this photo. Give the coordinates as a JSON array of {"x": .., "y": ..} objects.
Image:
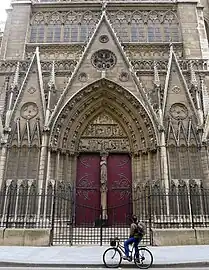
[{"x": 104, "y": 125}]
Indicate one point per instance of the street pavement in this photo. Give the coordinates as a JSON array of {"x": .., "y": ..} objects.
[
  {"x": 91, "y": 256},
  {"x": 38, "y": 268}
]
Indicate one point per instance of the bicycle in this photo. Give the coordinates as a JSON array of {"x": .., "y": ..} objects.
[{"x": 117, "y": 250}]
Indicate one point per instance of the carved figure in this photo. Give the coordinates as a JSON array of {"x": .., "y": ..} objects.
[{"x": 103, "y": 166}]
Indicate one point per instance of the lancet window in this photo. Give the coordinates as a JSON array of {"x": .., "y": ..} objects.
[
  {"x": 138, "y": 32},
  {"x": 54, "y": 28},
  {"x": 141, "y": 26},
  {"x": 62, "y": 27}
]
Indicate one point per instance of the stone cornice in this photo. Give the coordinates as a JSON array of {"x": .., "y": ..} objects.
[{"x": 98, "y": 3}]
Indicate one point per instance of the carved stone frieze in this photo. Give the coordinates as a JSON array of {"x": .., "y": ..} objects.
[
  {"x": 142, "y": 15},
  {"x": 99, "y": 145},
  {"x": 68, "y": 16},
  {"x": 56, "y": 52},
  {"x": 104, "y": 134},
  {"x": 59, "y": 65},
  {"x": 151, "y": 51}
]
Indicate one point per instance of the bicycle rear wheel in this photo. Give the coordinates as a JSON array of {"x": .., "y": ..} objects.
[
  {"x": 145, "y": 258},
  {"x": 112, "y": 258}
]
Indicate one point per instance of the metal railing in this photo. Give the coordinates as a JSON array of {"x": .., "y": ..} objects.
[{"x": 81, "y": 224}]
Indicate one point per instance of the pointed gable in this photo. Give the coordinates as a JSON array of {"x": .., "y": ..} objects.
[
  {"x": 30, "y": 102},
  {"x": 103, "y": 49},
  {"x": 177, "y": 101}
]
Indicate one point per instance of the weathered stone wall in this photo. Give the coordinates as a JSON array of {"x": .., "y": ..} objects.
[
  {"x": 24, "y": 237},
  {"x": 13, "y": 44},
  {"x": 180, "y": 237},
  {"x": 189, "y": 24}
]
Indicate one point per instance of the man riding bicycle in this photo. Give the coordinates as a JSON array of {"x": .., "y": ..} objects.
[{"x": 136, "y": 234}]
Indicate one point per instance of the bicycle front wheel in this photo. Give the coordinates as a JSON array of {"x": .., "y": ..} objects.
[
  {"x": 145, "y": 259},
  {"x": 112, "y": 258}
]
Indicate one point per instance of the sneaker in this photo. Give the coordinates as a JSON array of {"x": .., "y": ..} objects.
[
  {"x": 126, "y": 258},
  {"x": 137, "y": 260}
]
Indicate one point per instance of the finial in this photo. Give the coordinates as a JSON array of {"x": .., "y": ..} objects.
[{"x": 104, "y": 5}]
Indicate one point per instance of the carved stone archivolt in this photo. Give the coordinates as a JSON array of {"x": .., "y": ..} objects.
[{"x": 78, "y": 126}]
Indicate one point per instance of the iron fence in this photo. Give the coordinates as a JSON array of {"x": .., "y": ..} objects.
[{"x": 79, "y": 224}]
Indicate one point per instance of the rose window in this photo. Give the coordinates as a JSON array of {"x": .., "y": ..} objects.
[{"x": 103, "y": 59}]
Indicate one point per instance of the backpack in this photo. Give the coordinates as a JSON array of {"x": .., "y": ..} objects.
[{"x": 141, "y": 228}]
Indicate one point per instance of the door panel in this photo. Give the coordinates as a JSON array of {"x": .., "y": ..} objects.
[
  {"x": 119, "y": 189},
  {"x": 88, "y": 189}
]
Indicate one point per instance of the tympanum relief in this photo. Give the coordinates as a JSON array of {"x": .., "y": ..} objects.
[{"x": 104, "y": 134}]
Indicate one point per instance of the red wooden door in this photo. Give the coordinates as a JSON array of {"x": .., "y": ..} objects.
[
  {"x": 87, "y": 208},
  {"x": 119, "y": 189}
]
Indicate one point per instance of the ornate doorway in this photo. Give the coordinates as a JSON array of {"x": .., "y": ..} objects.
[
  {"x": 90, "y": 192},
  {"x": 119, "y": 185},
  {"x": 103, "y": 122}
]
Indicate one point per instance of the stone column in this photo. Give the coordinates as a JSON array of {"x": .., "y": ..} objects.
[
  {"x": 103, "y": 183},
  {"x": 164, "y": 169},
  {"x": 164, "y": 162},
  {"x": 150, "y": 166},
  {"x": 43, "y": 161},
  {"x": 48, "y": 172},
  {"x": 3, "y": 164},
  {"x": 135, "y": 180},
  {"x": 57, "y": 166}
]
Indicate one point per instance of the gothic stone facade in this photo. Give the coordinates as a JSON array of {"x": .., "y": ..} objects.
[{"x": 105, "y": 97}]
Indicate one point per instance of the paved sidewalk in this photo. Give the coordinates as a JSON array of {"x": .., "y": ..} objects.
[{"x": 78, "y": 256}]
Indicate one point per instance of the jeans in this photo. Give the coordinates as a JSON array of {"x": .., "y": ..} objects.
[{"x": 130, "y": 241}]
